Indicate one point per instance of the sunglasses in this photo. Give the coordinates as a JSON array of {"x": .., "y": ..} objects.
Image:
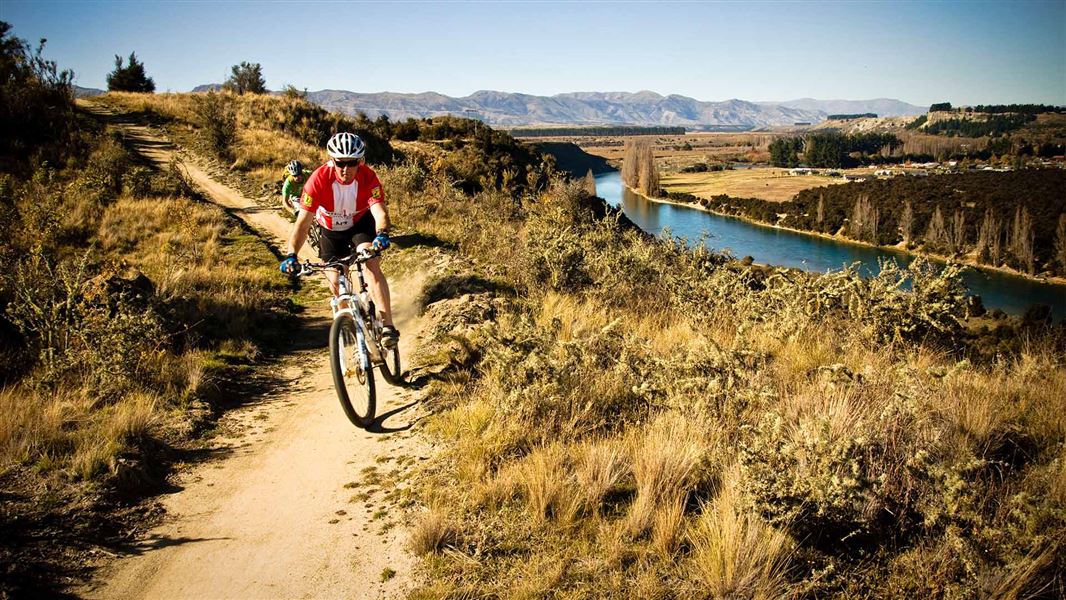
[{"x": 340, "y": 164}]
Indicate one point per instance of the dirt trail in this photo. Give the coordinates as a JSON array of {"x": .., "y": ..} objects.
[{"x": 272, "y": 517}]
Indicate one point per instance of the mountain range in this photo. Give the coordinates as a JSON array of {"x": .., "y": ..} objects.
[
  {"x": 605, "y": 108},
  {"x": 593, "y": 108}
]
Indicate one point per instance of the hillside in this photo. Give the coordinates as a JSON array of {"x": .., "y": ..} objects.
[{"x": 610, "y": 415}]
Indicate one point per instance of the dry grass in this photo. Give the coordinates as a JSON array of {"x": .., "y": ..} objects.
[
  {"x": 431, "y": 534},
  {"x": 70, "y": 432},
  {"x": 735, "y": 554},
  {"x": 601, "y": 467},
  {"x": 773, "y": 184},
  {"x": 545, "y": 478},
  {"x": 670, "y": 460}
]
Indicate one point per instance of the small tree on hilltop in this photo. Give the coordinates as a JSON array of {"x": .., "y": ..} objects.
[
  {"x": 247, "y": 78},
  {"x": 129, "y": 78}
]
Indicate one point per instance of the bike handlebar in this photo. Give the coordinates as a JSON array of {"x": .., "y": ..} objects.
[{"x": 357, "y": 258}]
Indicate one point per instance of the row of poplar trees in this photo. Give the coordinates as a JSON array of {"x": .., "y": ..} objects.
[
  {"x": 997, "y": 241},
  {"x": 638, "y": 167}
]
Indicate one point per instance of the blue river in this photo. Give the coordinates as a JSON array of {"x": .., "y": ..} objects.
[{"x": 768, "y": 245}]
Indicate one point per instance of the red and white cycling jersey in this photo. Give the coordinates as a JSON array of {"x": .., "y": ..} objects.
[{"x": 337, "y": 206}]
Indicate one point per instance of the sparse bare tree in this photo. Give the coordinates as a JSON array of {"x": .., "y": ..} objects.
[
  {"x": 1060, "y": 245},
  {"x": 988, "y": 239},
  {"x": 958, "y": 231},
  {"x": 590, "y": 183},
  {"x": 1021, "y": 240},
  {"x": 649, "y": 172},
  {"x": 936, "y": 238},
  {"x": 864, "y": 220},
  {"x": 820, "y": 211},
  {"x": 638, "y": 167},
  {"x": 906, "y": 224},
  {"x": 630, "y": 170}
]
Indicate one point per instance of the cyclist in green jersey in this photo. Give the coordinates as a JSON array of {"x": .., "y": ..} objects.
[{"x": 293, "y": 185}]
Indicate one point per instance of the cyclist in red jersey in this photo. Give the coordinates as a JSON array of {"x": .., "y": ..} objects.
[{"x": 343, "y": 198}]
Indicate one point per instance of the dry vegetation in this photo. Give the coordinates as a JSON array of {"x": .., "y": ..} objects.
[
  {"x": 126, "y": 325},
  {"x": 772, "y": 184},
  {"x": 641, "y": 420},
  {"x": 617, "y": 416},
  {"x": 130, "y": 308}
]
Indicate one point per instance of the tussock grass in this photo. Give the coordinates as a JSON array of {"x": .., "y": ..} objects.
[
  {"x": 547, "y": 485},
  {"x": 734, "y": 553},
  {"x": 602, "y": 467},
  {"x": 670, "y": 459},
  {"x": 432, "y": 533}
]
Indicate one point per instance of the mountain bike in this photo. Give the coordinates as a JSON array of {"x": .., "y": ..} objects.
[{"x": 355, "y": 341}]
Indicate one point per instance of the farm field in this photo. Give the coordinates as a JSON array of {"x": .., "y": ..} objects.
[
  {"x": 681, "y": 149},
  {"x": 770, "y": 183}
]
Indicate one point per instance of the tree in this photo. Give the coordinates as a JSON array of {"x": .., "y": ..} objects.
[
  {"x": 1060, "y": 244},
  {"x": 638, "y": 167},
  {"x": 936, "y": 238},
  {"x": 906, "y": 224},
  {"x": 630, "y": 169},
  {"x": 784, "y": 152},
  {"x": 590, "y": 183},
  {"x": 988, "y": 239},
  {"x": 129, "y": 78},
  {"x": 649, "y": 172},
  {"x": 1021, "y": 240},
  {"x": 36, "y": 99},
  {"x": 864, "y": 220},
  {"x": 958, "y": 231},
  {"x": 247, "y": 78}
]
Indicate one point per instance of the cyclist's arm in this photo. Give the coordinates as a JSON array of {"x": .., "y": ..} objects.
[
  {"x": 299, "y": 230},
  {"x": 381, "y": 216}
]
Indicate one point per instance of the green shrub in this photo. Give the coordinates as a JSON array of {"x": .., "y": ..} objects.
[{"x": 217, "y": 114}]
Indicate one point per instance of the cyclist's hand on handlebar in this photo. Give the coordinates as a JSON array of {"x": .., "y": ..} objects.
[
  {"x": 289, "y": 265},
  {"x": 381, "y": 241}
]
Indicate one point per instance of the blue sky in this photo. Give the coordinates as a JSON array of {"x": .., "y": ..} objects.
[{"x": 920, "y": 52}]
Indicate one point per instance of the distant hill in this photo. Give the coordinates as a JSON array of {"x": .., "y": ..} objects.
[
  {"x": 882, "y": 107},
  {"x": 599, "y": 108},
  {"x": 83, "y": 92}
]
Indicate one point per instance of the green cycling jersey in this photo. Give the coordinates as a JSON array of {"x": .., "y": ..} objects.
[{"x": 291, "y": 187}]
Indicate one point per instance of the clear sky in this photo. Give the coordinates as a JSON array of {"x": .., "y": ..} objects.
[{"x": 963, "y": 52}]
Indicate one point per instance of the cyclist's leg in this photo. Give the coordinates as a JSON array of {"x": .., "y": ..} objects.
[
  {"x": 375, "y": 279},
  {"x": 333, "y": 245}
]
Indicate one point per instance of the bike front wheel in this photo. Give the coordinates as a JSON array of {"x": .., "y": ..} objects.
[
  {"x": 353, "y": 376},
  {"x": 390, "y": 364}
]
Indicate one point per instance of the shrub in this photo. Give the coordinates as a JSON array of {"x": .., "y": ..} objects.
[{"x": 217, "y": 114}]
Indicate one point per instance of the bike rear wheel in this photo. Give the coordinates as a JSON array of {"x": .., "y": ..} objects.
[{"x": 353, "y": 376}]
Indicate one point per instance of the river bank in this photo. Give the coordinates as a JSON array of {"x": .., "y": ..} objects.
[{"x": 967, "y": 260}]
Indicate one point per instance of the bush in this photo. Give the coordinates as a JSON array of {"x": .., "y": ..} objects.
[{"x": 217, "y": 114}]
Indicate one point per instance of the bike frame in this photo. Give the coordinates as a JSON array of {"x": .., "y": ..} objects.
[{"x": 357, "y": 306}]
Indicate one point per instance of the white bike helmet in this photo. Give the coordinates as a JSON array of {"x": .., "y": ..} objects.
[
  {"x": 294, "y": 168},
  {"x": 346, "y": 145}
]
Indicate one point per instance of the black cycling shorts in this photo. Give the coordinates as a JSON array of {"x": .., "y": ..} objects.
[{"x": 339, "y": 244}]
